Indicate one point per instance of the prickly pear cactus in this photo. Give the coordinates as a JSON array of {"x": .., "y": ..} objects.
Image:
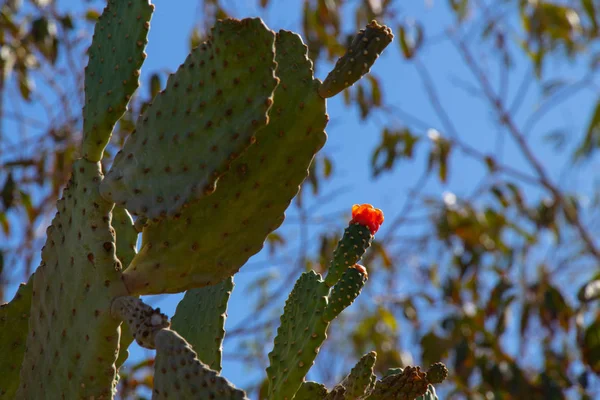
[
  {"x": 345, "y": 291},
  {"x": 206, "y": 117},
  {"x": 72, "y": 342},
  {"x": 361, "y": 380},
  {"x": 200, "y": 318},
  {"x": 306, "y": 318},
  {"x": 14, "y": 324},
  {"x": 179, "y": 253},
  {"x": 180, "y": 375},
  {"x": 209, "y": 171},
  {"x": 112, "y": 75},
  {"x": 299, "y": 337}
]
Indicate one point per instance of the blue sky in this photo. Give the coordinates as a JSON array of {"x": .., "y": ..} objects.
[{"x": 351, "y": 141}]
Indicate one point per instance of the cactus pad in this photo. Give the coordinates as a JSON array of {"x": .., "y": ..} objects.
[
  {"x": 126, "y": 242},
  {"x": 126, "y": 235},
  {"x": 311, "y": 391},
  {"x": 73, "y": 288},
  {"x": 366, "y": 47},
  {"x": 213, "y": 238},
  {"x": 200, "y": 319},
  {"x": 356, "y": 240},
  {"x": 14, "y": 323},
  {"x": 178, "y": 374},
  {"x": 361, "y": 380},
  {"x": 112, "y": 74},
  {"x": 345, "y": 291},
  {"x": 206, "y": 117},
  {"x": 143, "y": 321},
  {"x": 299, "y": 337}
]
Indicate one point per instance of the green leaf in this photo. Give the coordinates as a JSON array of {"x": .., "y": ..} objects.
[
  {"x": 592, "y": 136},
  {"x": 92, "y": 15},
  {"x": 155, "y": 85},
  {"x": 590, "y": 346}
]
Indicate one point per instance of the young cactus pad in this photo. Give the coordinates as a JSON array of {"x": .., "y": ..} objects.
[
  {"x": 211, "y": 239},
  {"x": 206, "y": 117},
  {"x": 112, "y": 75},
  {"x": 361, "y": 380},
  {"x": 360, "y": 56}
]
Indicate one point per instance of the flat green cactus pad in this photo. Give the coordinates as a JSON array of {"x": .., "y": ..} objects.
[
  {"x": 112, "y": 74},
  {"x": 311, "y": 391},
  {"x": 299, "y": 337},
  {"x": 200, "y": 319},
  {"x": 213, "y": 238},
  {"x": 14, "y": 324},
  {"x": 178, "y": 374},
  {"x": 73, "y": 340},
  {"x": 206, "y": 117}
]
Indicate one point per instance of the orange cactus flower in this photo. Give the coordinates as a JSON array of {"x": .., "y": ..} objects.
[{"x": 367, "y": 215}]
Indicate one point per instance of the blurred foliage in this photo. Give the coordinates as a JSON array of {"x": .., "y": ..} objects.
[{"x": 500, "y": 282}]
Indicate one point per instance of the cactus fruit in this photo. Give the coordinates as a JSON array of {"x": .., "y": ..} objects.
[
  {"x": 360, "y": 56},
  {"x": 14, "y": 324},
  {"x": 181, "y": 253},
  {"x": 112, "y": 75},
  {"x": 356, "y": 240},
  {"x": 195, "y": 128},
  {"x": 73, "y": 288},
  {"x": 180, "y": 375},
  {"x": 200, "y": 319}
]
